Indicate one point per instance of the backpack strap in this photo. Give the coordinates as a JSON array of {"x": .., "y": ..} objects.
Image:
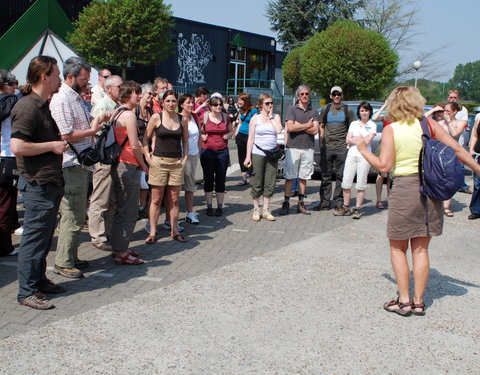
[
  {"x": 347, "y": 119},
  {"x": 327, "y": 109},
  {"x": 114, "y": 121},
  {"x": 426, "y": 129}
]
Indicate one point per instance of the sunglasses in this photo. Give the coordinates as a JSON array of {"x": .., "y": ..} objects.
[
  {"x": 10, "y": 84},
  {"x": 268, "y": 103},
  {"x": 216, "y": 104},
  {"x": 336, "y": 94},
  {"x": 304, "y": 94}
]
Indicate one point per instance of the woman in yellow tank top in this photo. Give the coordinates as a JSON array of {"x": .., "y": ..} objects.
[{"x": 400, "y": 148}]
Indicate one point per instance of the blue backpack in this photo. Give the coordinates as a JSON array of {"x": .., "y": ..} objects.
[{"x": 441, "y": 174}]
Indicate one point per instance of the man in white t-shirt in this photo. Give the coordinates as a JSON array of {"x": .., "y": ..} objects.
[
  {"x": 98, "y": 91},
  {"x": 453, "y": 96}
]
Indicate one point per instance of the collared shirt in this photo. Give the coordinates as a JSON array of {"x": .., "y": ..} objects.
[
  {"x": 32, "y": 122},
  {"x": 70, "y": 113},
  {"x": 301, "y": 139},
  {"x": 97, "y": 94},
  {"x": 106, "y": 104}
]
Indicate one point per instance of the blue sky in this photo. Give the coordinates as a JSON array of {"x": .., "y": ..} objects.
[{"x": 448, "y": 28}]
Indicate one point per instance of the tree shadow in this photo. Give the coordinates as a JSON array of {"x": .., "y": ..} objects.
[{"x": 439, "y": 286}]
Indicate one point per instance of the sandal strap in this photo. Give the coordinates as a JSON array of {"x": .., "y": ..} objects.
[{"x": 418, "y": 305}]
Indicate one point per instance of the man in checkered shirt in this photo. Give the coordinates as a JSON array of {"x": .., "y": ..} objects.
[{"x": 76, "y": 127}]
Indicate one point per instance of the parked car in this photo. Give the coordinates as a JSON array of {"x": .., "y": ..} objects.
[{"x": 317, "y": 155}]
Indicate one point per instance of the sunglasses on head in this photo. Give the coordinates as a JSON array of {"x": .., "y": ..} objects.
[{"x": 268, "y": 103}]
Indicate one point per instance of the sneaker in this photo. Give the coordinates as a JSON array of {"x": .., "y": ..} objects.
[
  {"x": 219, "y": 211},
  {"x": 267, "y": 215},
  {"x": 19, "y": 231},
  {"x": 256, "y": 214},
  {"x": 37, "y": 301},
  {"x": 346, "y": 211},
  {"x": 69, "y": 272},
  {"x": 147, "y": 226},
  {"x": 301, "y": 209},
  {"x": 466, "y": 191},
  {"x": 209, "y": 212},
  {"x": 142, "y": 214},
  {"x": 338, "y": 211},
  {"x": 285, "y": 208},
  {"x": 192, "y": 218},
  {"x": 168, "y": 226},
  {"x": 105, "y": 246},
  {"x": 81, "y": 264},
  {"x": 322, "y": 206},
  {"x": 48, "y": 287},
  {"x": 357, "y": 214},
  {"x": 15, "y": 251}
]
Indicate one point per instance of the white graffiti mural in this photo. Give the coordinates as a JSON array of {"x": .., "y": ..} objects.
[{"x": 193, "y": 58}]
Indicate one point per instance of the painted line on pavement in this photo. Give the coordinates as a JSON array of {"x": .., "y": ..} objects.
[
  {"x": 101, "y": 274},
  {"x": 276, "y": 231},
  {"x": 240, "y": 230},
  {"x": 205, "y": 226},
  {"x": 148, "y": 278},
  {"x": 312, "y": 234},
  {"x": 234, "y": 196}
]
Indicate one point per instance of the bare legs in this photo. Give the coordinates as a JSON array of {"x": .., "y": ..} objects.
[
  {"x": 189, "y": 200},
  {"x": 173, "y": 193},
  {"x": 379, "y": 185},
  {"x": 421, "y": 267},
  {"x": 154, "y": 211}
]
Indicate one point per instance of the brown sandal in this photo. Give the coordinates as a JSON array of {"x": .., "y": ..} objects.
[
  {"x": 150, "y": 240},
  {"x": 178, "y": 237},
  {"x": 401, "y": 307},
  {"x": 128, "y": 260},
  {"x": 418, "y": 306}
]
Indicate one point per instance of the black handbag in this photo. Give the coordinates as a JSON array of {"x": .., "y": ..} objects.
[
  {"x": 87, "y": 157},
  {"x": 274, "y": 154},
  {"x": 8, "y": 172}
]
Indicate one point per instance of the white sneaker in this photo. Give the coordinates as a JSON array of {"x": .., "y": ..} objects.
[
  {"x": 168, "y": 226},
  {"x": 14, "y": 252},
  {"x": 192, "y": 218},
  {"x": 256, "y": 214},
  {"x": 267, "y": 215},
  {"x": 147, "y": 226},
  {"x": 19, "y": 231}
]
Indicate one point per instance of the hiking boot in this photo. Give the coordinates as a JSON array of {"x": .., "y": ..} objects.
[
  {"x": 219, "y": 211},
  {"x": 48, "y": 287},
  {"x": 69, "y": 272},
  {"x": 209, "y": 211},
  {"x": 267, "y": 215},
  {"x": 256, "y": 214},
  {"x": 285, "y": 208},
  {"x": 346, "y": 211},
  {"x": 301, "y": 209},
  {"x": 357, "y": 214},
  {"x": 322, "y": 206},
  {"x": 37, "y": 301},
  {"x": 338, "y": 211}
]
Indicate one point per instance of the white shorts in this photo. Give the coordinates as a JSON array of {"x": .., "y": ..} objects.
[
  {"x": 355, "y": 165},
  {"x": 298, "y": 163}
]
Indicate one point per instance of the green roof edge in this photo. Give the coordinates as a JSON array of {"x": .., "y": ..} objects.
[{"x": 26, "y": 31}]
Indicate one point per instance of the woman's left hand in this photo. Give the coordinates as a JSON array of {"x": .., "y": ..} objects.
[{"x": 360, "y": 142}]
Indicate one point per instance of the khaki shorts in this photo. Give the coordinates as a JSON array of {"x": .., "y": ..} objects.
[
  {"x": 298, "y": 163},
  {"x": 165, "y": 171},
  {"x": 189, "y": 173}
]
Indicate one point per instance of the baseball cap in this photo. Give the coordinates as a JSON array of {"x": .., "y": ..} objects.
[
  {"x": 217, "y": 95},
  {"x": 336, "y": 88}
]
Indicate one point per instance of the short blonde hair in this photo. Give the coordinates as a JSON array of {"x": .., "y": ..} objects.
[
  {"x": 405, "y": 103},
  {"x": 262, "y": 98}
]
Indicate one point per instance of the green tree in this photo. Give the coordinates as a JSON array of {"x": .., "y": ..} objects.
[
  {"x": 291, "y": 68},
  {"x": 296, "y": 21},
  {"x": 121, "y": 32},
  {"x": 467, "y": 80},
  {"x": 360, "y": 61}
]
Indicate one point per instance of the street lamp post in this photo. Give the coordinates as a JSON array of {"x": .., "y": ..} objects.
[{"x": 416, "y": 65}]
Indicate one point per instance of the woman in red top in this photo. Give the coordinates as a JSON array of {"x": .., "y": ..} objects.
[
  {"x": 216, "y": 130},
  {"x": 126, "y": 175}
]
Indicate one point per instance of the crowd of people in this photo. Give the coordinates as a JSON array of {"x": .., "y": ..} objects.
[{"x": 163, "y": 137}]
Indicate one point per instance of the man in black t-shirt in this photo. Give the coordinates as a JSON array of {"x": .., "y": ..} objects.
[{"x": 37, "y": 144}]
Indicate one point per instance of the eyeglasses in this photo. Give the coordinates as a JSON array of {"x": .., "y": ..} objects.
[
  {"x": 268, "y": 103},
  {"x": 304, "y": 94},
  {"x": 10, "y": 83},
  {"x": 106, "y": 77},
  {"x": 151, "y": 93},
  {"x": 336, "y": 94},
  {"x": 216, "y": 104}
]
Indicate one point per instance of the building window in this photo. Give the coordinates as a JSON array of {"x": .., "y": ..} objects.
[{"x": 257, "y": 69}]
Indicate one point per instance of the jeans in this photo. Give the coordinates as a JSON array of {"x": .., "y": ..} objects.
[
  {"x": 475, "y": 202},
  {"x": 214, "y": 165},
  {"x": 333, "y": 158},
  {"x": 41, "y": 208}
]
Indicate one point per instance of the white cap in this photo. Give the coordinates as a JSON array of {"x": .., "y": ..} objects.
[
  {"x": 216, "y": 95},
  {"x": 336, "y": 88}
]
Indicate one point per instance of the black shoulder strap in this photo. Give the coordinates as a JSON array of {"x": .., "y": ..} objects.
[
  {"x": 347, "y": 120},
  {"x": 117, "y": 114},
  {"x": 327, "y": 109}
]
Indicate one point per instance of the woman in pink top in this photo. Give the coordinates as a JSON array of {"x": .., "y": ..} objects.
[
  {"x": 126, "y": 175},
  {"x": 216, "y": 129}
]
